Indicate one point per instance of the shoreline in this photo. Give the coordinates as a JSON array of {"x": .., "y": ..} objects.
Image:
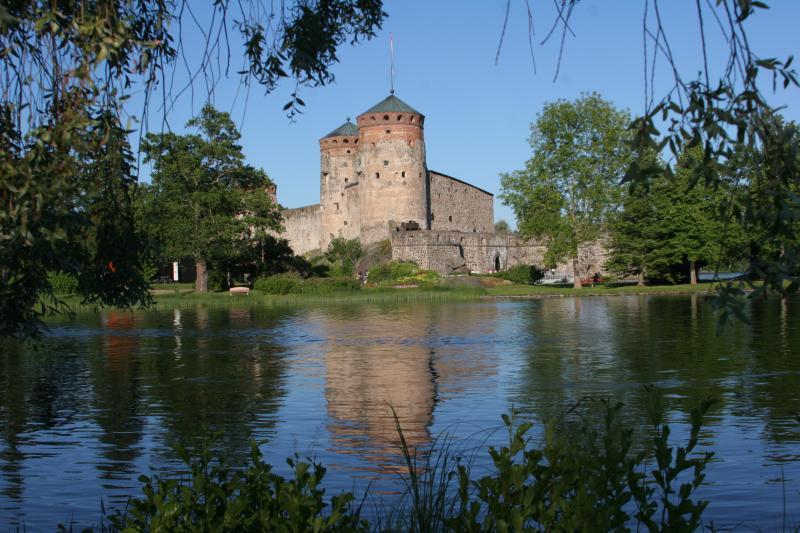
[{"x": 184, "y": 297}]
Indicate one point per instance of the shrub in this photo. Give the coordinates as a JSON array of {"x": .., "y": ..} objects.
[
  {"x": 521, "y": 274},
  {"x": 217, "y": 280},
  {"x": 63, "y": 283},
  {"x": 391, "y": 271},
  {"x": 327, "y": 285},
  {"x": 586, "y": 475},
  {"x": 343, "y": 254},
  {"x": 294, "y": 284},
  {"x": 217, "y": 497},
  {"x": 280, "y": 284}
]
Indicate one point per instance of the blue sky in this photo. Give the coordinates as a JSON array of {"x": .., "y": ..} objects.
[{"x": 478, "y": 112}]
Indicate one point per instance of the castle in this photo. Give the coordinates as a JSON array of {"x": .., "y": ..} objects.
[{"x": 375, "y": 185}]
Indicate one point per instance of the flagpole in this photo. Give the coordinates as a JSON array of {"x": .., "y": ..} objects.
[{"x": 391, "y": 63}]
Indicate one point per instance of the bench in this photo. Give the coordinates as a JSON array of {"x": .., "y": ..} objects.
[
  {"x": 239, "y": 290},
  {"x": 591, "y": 280}
]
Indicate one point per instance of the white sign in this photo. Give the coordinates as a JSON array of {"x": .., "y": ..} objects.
[{"x": 175, "y": 271}]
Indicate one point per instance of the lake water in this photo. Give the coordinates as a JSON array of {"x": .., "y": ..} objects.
[{"x": 103, "y": 398}]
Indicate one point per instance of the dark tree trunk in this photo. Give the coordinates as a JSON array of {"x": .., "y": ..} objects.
[
  {"x": 640, "y": 280},
  {"x": 576, "y": 278},
  {"x": 201, "y": 282},
  {"x": 692, "y": 273}
]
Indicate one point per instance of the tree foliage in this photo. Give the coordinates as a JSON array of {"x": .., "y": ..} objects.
[
  {"x": 674, "y": 227},
  {"x": 65, "y": 210},
  {"x": 570, "y": 185},
  {"x": 206, "y": 203},
  {"x": 68, "y": 66},
  {"x": 343, "y": 254},
  {"x": 502, "y": 227}
]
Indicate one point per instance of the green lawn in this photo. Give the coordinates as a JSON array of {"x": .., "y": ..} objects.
[
  {"x": 598, "y": 290},
  {"x": 178, "y": 295}
]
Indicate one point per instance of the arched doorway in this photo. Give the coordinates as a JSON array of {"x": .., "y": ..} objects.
[{"x": 497, "y": 262}]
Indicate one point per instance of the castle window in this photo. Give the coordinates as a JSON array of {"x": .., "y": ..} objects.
[
  {"x": 372, "y": 117},
  {"x": 403, "y": 174},
  {"x": 345, "y": 180},
  {"x": 431, "y": 217},
  {"x": 335, "y": 141},
  {"x": 450, "y": 218},
  {"x": 377, "y": 175},
  {"x": 388, "y": 131},
  {"x": 356, "y": 141},
  {"x": 345, "y": 222},
  {"x": 386, "y": 163},
  {"x": 348, "y": 151},
  {"x": 337, "y": 206},
  {"x": 413, "y": 118},
  {"x": 345, "y": 141},
  {"x": 385, "y": 117},
  {"x": 399, "y": 117}
]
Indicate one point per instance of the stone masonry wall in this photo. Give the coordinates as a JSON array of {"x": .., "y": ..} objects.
[
  {"x": 459, "y": 206},
  {"x": 302, "y": 228},
  {"x": 449, "y": 252}
]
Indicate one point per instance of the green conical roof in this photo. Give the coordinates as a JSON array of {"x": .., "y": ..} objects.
[
  {"x": 348, "y": 128},
  {"x": 391, "y": 104}
]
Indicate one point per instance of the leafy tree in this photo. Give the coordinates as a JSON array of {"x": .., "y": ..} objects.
[
  {"x": 502, "y": 227},
  {"x": 343, "y": 254},
  {"x": 64, "y": 62},
  {"x": 207, "y": 202},
  {"x": 688, "y": 226},
  {"x": 65, "y": 211},
  {"x": 676, "y": 226},
  {"x": 631, "y": 232},
  {"x": 766, "y": 204},
  {"x": 569, "y": 187}
]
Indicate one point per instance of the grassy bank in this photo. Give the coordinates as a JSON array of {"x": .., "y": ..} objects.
[
  {"x": 542, "y": 291},
  {"x": 468, "y": 288}
]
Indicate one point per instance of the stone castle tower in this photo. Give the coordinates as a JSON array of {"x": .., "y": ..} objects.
[
  {"x": 373, "y": 173},
  {"x": 375, "y": 185}
]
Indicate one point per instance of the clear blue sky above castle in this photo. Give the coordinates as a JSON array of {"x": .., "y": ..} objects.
[{"x": 478, "y": 112}]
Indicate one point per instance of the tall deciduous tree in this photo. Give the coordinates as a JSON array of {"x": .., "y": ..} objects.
[
  {"x": 63, "y": 61},
  {"x": 569, "y": 187},
  {"x": 205, "y": 198},
  {"x": 676, "y": 226}
]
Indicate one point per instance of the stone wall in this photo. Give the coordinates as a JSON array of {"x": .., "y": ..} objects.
[
  {"x": 302, "y": 228},
  {"x": 459, "y": 206},
  {"x": 449, "y": 252}
]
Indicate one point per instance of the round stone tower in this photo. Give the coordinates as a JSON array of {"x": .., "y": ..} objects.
[
  {"x": 392, "y": 172},
  {"x": 338, "y": 151}
]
